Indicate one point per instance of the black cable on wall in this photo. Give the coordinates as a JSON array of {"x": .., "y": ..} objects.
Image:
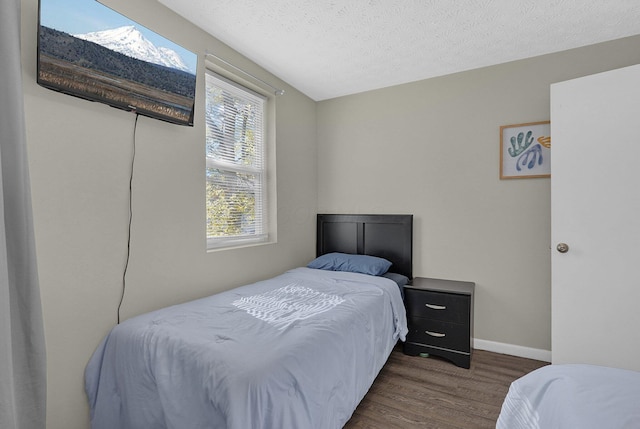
[{"x": 126, "y": 264}]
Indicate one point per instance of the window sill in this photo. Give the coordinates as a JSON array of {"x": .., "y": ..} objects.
[{"x": 238, "y": 244}]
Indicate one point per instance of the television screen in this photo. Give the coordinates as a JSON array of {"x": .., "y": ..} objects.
[{"x": 90, "y": 51}]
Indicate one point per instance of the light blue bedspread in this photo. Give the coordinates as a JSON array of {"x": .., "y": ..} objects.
[
  {"x": 573, "y": 396},
  {"x": 296, "y": 351}
]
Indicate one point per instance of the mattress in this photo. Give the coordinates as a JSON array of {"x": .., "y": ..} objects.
[
  {"x": 573, "y": 396},
  {"x": 299, "y": 350}
]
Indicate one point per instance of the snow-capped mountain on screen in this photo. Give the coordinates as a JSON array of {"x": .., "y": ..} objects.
[{"x": 130, "y": 42}]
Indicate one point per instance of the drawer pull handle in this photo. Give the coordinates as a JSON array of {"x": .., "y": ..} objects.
[
  {"x": 436, "y": 307},
  {"x": 435, "y": 334}
]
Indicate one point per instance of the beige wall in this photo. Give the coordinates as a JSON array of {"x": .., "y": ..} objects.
[
  {"x": 80, "y": 158},
  {"x": 431, "y": 148}
]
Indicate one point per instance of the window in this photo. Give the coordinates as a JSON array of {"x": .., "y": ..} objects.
[{"x": 235, "y": 170}]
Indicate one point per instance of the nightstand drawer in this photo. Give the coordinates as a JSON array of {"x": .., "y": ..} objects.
[
  {"x": 436, "y": 333},
  {"x": 442, "y": 306}
]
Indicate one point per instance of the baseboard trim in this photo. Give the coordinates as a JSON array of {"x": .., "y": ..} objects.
[{"x": 512, "y": 349}]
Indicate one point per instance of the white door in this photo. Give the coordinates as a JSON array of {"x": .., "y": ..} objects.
[{"x": 595, "y": 209}]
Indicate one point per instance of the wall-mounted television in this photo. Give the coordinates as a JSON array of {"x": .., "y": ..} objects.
[{"x": 88, "y": 50}]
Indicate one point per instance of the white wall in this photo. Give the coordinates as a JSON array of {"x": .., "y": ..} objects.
[
  {"x": 431, "y": 148},
  {"x": 80, "y": 158}
]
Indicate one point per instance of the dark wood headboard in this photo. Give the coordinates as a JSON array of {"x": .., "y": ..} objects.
[{"x": 388, "y": 236}]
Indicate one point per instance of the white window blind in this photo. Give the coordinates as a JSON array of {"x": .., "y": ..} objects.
[{"x": 235, "y": 168}]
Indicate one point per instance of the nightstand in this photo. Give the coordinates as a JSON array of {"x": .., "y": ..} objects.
[{"x": 440, "y": 319}]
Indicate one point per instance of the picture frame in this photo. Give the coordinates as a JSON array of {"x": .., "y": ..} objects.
[{"x": 525, "y": 150}]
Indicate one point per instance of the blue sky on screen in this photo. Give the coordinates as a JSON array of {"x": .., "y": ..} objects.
[{"x": 86, "y": 16}]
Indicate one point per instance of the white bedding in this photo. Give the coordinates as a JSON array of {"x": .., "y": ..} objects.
[
  {"x": 296, "y": 351},
  {"x": 573, "y": 397}
]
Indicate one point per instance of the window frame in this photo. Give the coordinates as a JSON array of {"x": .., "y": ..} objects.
[{"x": 265, "y": 231}]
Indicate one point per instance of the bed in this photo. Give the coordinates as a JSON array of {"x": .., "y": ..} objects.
[
  {"x": 573, "y": 396},
  {"x": 299, "y": 350}
]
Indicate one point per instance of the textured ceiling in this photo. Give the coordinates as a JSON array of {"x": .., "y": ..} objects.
[{"x": 330, "y": 48}]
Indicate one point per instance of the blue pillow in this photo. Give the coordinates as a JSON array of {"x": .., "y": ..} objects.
[
  {"x": 398, "y": 278},
  {"x": 364, "y": 264}
]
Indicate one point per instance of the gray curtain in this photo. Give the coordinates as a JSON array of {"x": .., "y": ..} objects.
[{"x": 22, "y": 350}]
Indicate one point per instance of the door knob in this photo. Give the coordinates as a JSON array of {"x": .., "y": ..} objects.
[{"x": 563, "y": 247}]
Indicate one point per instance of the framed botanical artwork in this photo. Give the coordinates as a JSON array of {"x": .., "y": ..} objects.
[{"x": 525, "y": 150}]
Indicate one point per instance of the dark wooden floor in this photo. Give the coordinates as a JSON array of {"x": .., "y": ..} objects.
[{"x": 432, "y": 393}]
